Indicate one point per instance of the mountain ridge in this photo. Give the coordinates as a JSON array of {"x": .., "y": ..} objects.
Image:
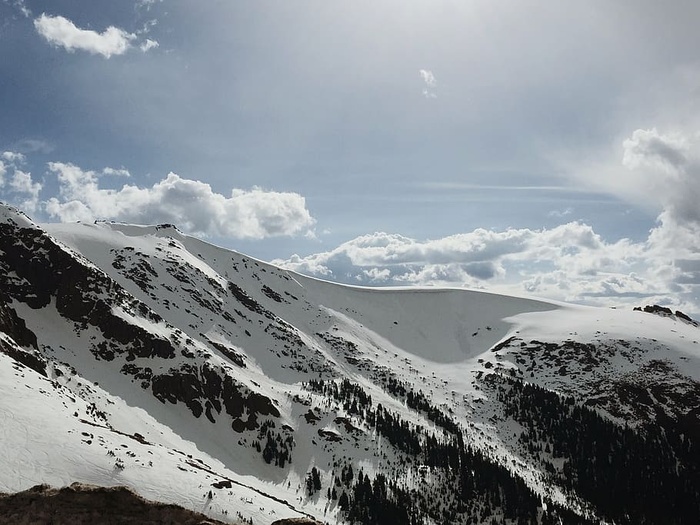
[{"x": 220, "y": 369}]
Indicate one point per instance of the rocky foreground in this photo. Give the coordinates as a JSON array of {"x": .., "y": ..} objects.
[{"x": 81, "y": 504}]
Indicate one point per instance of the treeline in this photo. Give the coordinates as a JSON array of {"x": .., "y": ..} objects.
[
  {"x": 472, "y": 489},
  {"x": 379, "y": 502},
  {"x": 646, "y": 475},
  {"x": 419, "y": 401}
]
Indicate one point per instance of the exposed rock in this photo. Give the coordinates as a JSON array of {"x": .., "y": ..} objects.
[
  {"x": 311, "y": 417},
  {"x": 685, "y": 318},
  {"x": 229, "y": 352},
  {"x": 329, "y": 435},
  {"x": 87, "y": 505},
  {"x": 246, "y": 300},
  {"x": 28, "y": 359},
  {"x": 656, "y": 309},
  {"x": 34, "y": 269},
  {"x": 15, "y": 327},
  {"x": 666, "y": 312},
  {"x": 273, "y": 295},
  {"x": 191, "y": 386},
  {"x": 296, "y": 521}
]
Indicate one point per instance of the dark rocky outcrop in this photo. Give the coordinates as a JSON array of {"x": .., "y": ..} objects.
[
  {"x": 27, "y": 358},
  {"x": 89, "y": 505},
  {"x": 15, "y": 327},
  {"x": 229, "y": 352},
  {"x": 213, "y": 387},
  {"x": 17, "y": 330},
  {"x": 34, "y": 269},
  {"x": 665, "y": 312},
  {"x": 296, "y": 521}
]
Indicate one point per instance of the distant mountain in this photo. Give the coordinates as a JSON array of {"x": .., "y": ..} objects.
[{"x": 197, "y": 376}]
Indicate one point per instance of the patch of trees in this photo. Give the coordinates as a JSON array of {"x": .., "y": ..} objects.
[
  {"x": 351, "y": 396},
  {"x": 313, "y": 482},
  {"x": 644, "y": 475},
  {"x": 493, "y": 495},
  {"x": 379, "y": 502},
  {"x": 473, "y": 488},
  {"x": 277, "y": 448},
  {"x": 419, "y": 401}
]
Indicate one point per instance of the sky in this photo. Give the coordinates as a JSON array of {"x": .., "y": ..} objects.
[{"x": 536, "y": 148}]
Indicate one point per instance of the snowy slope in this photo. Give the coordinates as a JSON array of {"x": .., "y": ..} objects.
[{"x": 170, "y": 365}]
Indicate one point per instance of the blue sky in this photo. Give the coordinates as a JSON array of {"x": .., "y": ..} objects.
[{"x": 546, "y": 148}]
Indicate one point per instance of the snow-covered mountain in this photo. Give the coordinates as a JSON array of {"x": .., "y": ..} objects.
[{"x": 140, "y": 356}]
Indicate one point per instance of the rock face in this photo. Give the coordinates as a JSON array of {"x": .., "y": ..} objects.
[
  {"x": 89, "y": 505},
  {"x": 15, "y": 327},
  {"x": 36, "y": 270},
  {"x": 296, "y": 521}
]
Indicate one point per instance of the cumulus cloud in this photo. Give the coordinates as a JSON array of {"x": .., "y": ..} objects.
[
  {"x": 22, "y": 182},
  {"x": 655, "y": 169},
  {"x": 648, "y": 148},
  {"x": 148, "y": 44},
  {"x": 191, "y": 204},
  {"x": 13, "y": 156},
  {"x": 17, "y": 185},
  {"x": 430, "y": 83},
  {"x": 61, "y": 32},
  {"x": 477, "y": 254},
  {"x": 664, "y": 169},
  {"x": 570, "y": 262}
]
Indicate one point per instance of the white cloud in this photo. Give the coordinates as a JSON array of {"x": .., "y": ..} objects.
[
  {"x": 61, "y": 32},
  {"x": 561, "y": 213},
  {"x": 120, "y": 172},
  {"x": 18, "y": 187},
  {"x": 428, "y": 77},
  {"x": 190, "y": 204},
  {"x": 22, "y": 182},
  {"x": 146, "y": 4},
  {"x": 570, "y": 262},
  {"x": 430, "y": 83},
  {"x": 148, "y": 44},
  {"x": 20, "y": 6},
  {"x": 375, "y": 275},
  {"x": 658, "y": 170},
  {"x": 649, "y": 149},
  {"x": 12, "y": 156}
]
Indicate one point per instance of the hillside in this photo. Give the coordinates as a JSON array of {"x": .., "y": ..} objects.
[{"x": 140, "y": 356}]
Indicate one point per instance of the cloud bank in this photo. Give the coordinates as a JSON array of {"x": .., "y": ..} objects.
[
  {"x": 476, "y": 259},
  {"x": 569, "y": 262},
  {"x": 61, "y": 32},
  {"x": 191, "y": 204}
]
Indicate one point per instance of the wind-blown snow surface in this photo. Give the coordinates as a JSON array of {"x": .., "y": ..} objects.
[{"x": 160, "y": 373}]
